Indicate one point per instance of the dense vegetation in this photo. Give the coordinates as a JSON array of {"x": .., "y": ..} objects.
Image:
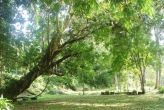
[{"x": 98, "y": 43}]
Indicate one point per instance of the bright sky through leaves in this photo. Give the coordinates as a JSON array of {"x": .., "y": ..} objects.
[{"x": 18, "y": 25}]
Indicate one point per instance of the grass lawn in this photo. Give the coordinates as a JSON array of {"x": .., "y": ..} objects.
[{"x": 94, "y": 102}]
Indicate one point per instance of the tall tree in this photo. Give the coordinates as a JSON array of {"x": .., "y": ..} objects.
[
  {"x": 132, "y": 48},
  {"x": 71, "y": 23},
  {"x": 158, "y": 25},
  {"x": 140, "y": 54}
]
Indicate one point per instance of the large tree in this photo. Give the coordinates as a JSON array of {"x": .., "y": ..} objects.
[
  {"x": 140, "y": 54},
  {"x": 58, "y": 27},
  {"x": 158, "y": 25},
  {"x": 134, "y": 47}
]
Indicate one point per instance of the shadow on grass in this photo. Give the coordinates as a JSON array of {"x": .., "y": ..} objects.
[{"x": 95, "y": 102}]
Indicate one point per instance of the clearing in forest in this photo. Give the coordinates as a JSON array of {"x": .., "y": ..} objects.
[{"x": 94, "y": 102}]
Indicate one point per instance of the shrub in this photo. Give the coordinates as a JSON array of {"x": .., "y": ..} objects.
[
  {"x": 5, "y": 104},
  {"x": 161, "y": 89},
  {"x": 73, "y": 87}
]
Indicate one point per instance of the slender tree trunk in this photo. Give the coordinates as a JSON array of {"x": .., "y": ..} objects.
[
  {"x": 128, "y": 81},
  {"x": 142, "y": 81},
  {"x": 1, "y": 64},
  {"x": 119, "y": 83},
  {"x": 158, "y": 73},
  {"x": 1, "y": 73},
  {"x": 157, "y": 79},
  {"x": 83, "y": 85},
  {"x": 159, "y": 70},
  {"x": 159, "y": 83},
  {"x": 48, "y": 28},
  {"x": 116, "y": 81},
  {"x": 83, "y": 88},
  {"x": 158, "y": 61}
]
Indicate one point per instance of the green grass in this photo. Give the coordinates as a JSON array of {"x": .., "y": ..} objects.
[{"x": 94, "y": 102}]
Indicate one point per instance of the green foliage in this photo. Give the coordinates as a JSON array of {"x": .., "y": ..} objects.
[
  {"x": 161, "y": 89},
  {"x": 85, "y": 7},
  {"x": 5, "y": 104},
  {"x": 67, "y": 81},
  {"x": 110, "y": 33},
  {"x": 7, "y": 79},
  {"x": 105, "y": 79},
  {"x": 72, "y": 87}
]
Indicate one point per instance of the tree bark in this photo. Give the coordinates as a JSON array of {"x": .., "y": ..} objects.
[
  {"x": 142, "y": 82},
  {"x": 158, "y": 61},
  {"x": 83, "y": 85},
  {"x": 16, "y": 87},
  {"x": 143, "y": 87},
  {"x": 157, "y": 81},
  {"x": 128, "y": 83},
  {"x": 116, "y": 82}
]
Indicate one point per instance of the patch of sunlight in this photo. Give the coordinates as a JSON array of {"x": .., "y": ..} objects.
[{"x": 88, "y": 104}]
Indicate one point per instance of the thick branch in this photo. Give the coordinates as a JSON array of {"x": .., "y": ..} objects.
[
  {"x": 87, "y": 34},
  {"x": 62, "y": 59},
  {"x": 48, "y": 28},
  {"x": 53, "y": 64},
  {"x": 67, "y": 20}
]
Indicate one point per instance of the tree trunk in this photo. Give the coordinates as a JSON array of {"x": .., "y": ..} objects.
[
  {"x": 157, "y": 80},
  {"x": 128, "y": 81},
  {"x": 18, "y": 86},
  {"x": 116, "y": 81},
  {"x": 83, "y": 87},
  {"x": 143, "y": 87},
  {"x": 83, "y": 84},
  {"x": 142, "y": 82},
  {"x": 158, "y": 56},
  {"x": 1, "y": 73},
  {"x": 1, "y": 63},
  {"x": 119, "y": 83},
  {"x": 158, "y": 73}
]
